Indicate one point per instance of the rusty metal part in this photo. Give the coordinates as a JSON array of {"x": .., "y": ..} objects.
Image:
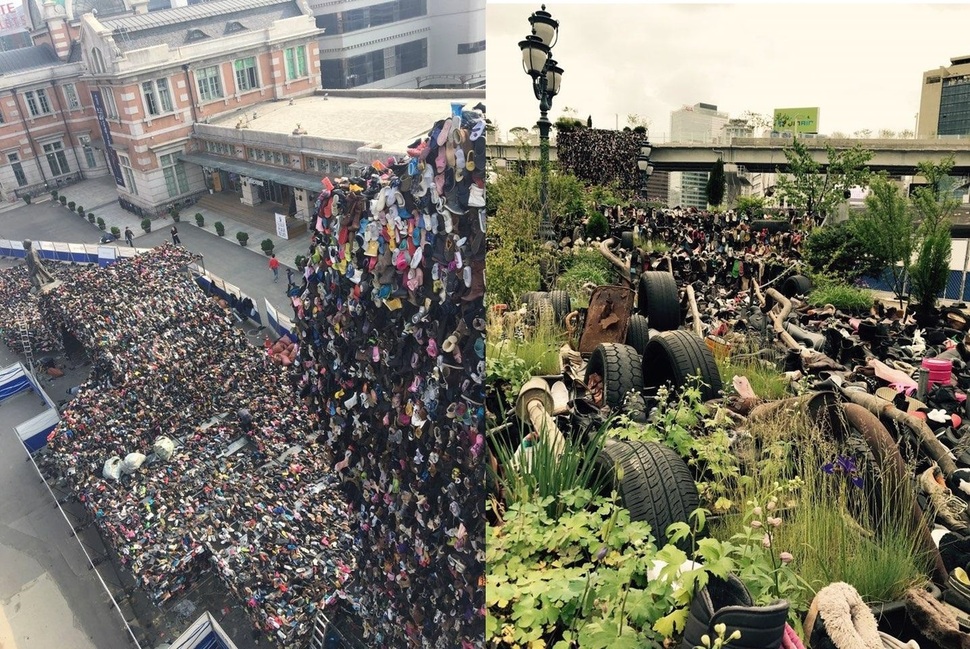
[
  {"x": 607, "y": 317},
  {"x": 621, "y": 266}
]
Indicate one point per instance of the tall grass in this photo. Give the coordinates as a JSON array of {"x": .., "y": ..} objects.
[
  {"x": 762, "y": 371},
  {"x": 585, "y": 265},
  {"x": 840, "y": 526}
]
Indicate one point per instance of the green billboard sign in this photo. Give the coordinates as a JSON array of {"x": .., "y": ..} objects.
[{"x": 796, "y": 120}]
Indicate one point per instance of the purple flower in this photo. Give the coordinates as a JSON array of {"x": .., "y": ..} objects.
[
  {"x": 857, "y": 481},
  {"x": 846, "y": 464},
  {"x": 828, "y": 468}
]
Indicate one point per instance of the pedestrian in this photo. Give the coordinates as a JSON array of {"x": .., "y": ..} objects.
[
  {"x": 175, "y": 236},
  {"x": 129, "y": 237},
  {"x": 274, "y": 263},
  {"x": 289, "y": 279}
]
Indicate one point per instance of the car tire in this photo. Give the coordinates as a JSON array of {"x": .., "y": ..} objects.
[
  {"x": 675, "y": 356},
  {"x": 658, "y": 300}
]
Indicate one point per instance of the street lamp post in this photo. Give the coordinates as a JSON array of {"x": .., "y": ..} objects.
[
  {"x": 546, "y": 76},
  {"x": 644, "y": 165}
]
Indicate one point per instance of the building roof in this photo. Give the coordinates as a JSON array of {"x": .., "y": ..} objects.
[
  {"x": 101, "y": 8},
  {"x": 27, "y": 58},
  {"x": 392, "y": 123},
  {"x": 182, "y": 25}
]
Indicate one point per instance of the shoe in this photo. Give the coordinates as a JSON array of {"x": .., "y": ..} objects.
[{"x": 728, "y": 602}]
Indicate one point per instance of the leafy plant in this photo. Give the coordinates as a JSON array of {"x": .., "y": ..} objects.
[
  {"x": 511, "y": 272},
  {"x": 597, "y": 227},
  {"x": 199, "y": 219},
  {"x": 584, "y": 266},
  {"x": 266, "y": 245},
  {"x": 116, "y": 231},
  {"x": 27, "y": 199},
  {"x": 933, "y": 205},
  {"x": 54, "y": 194},
  {"x": 842, "y": 296},
  {"x": 840, "y": 250},
  {"x": 146, "y": 225},
  {"x": 175, "y": 214},
  {"x": 101, "y": 223},
  {"x": 513, "y": 354},
  {"x": 63, "y": 200},
  {"x": 817, "y": 190},
  {"x": 753, "y": 206},
  {"x": 300, "y": 262},
  {"x": 92, "y": 218},
  {"x": 220, "y": 228},
  {"x": 80, "y": 210},
  {"x": 242, "y": 237},
  {"x": 71, "y": 205}
]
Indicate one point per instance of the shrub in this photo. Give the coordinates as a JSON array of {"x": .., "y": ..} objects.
[
  {"x": 71, "y": 205},
  {"x": 80, "y": 210},
  {"x": 267, "y": 246},
  {"x": 27, "y": 199},
  {"x": 146, "y": 225},
  {"x": 243, "y": 237},
  {"x": 54, "y": 194},
  {"x": 510, "y": 275},
  {"x": 842, "y": 296},
  {"x": 837, "y": 249},
  {"x": 582, "y": 267},
  {"x": 63, "y": 200},
  {"x": 91, "y": 218},
  {"x": 116, "y": 231},
  {"x": 101, "y": 223},
  {"x": 199, "y": 219},
  {"x": 220, "y": 228},
  {"x": 175, "y": 214},
  {"x": 597, "y": 227}
]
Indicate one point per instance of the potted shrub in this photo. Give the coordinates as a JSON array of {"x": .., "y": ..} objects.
[
  {"x": 71, "y": 205},
  {"x": 80, "y": 210},
  {"x": 300, "y": 262},
  {"x": 115, "y": 231},
  {"x": 175, "y": 214},
  {"x": 220, "y": 228},
  {"x": 54, "y": 194},
  {"x": 91, "y": 218},
  {"x": 243, "y": 237},
  {"x": 63, "y": 200},
  {"x": 26, "y": 198},
  {"x": 101, "y": 224},
  {"x": 199, "y": 219},
  {"x": 146, "y": 225},
  {"x": 267, "y": 246}
]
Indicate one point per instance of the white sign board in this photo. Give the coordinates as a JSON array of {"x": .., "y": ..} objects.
[{"x": 281, "y": 226}]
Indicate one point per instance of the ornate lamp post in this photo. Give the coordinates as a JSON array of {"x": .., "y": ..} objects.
[
  {"x": 644, "y": 165},
  {"x": 546, "y": 76}
]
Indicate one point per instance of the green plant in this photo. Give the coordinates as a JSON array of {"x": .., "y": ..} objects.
[
  {"x": 841, "y": 251},
  {"x": 101, "y": 223},
  {"x": 199, "y": 219},
  {"x": 146, "y": 225},
  {"x": 91, "y": 217},
  {"x": 584, "y": 266},
  {"x": 116, "y": 231},
  {"x": 763, "y": 375},
  {"x": 71, "y": 205},
  {"x": 220, "y": 228},
  {"x": 242, "y": 237},
  {"x": 934, "y": 205},
  {"x": 819, "y": 189},
  {"x": 510, "y": 273},
  {"x": 63, "y": 200},
  {"x": 80, "y": 210},
  {"x": 843, "y": 297},
  {"x": 54, "y": 194},
  {"x": 753, "y": 206},
  {"x": 597, "y": 227},
  {"x": 267, "y": 246},
  {"x": 175, "y": 214}
]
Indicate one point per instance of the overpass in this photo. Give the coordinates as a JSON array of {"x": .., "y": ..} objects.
[{"x": 766, "y": 155}]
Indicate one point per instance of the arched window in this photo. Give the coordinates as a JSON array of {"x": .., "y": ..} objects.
[{"x": 97, "y": 61}]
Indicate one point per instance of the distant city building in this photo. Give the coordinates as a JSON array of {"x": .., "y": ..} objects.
[
  {"x": 401, "y": 43},
  {"x": 701, "y": 123},
  {"x": 944, "y": 107}
]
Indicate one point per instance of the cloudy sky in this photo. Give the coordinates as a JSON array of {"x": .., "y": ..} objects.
[{"x": 861, "y": 64}]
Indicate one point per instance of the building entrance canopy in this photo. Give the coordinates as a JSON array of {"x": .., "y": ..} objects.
[{"x": 260, "y": 172}]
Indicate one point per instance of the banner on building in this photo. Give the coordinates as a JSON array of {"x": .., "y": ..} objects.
[
  {"x": 281, "y": 226},
  {"x": 796, "y": 120},
  {"x": 13, "y": 17},
  {"x": 109, "y": 149}
]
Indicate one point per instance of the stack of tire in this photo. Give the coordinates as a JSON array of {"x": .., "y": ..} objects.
[{"x": 551, "y": 306}]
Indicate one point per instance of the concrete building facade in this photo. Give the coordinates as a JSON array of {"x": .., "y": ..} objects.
[
  {"x": 401, "y": 43},
  {"x": 944, "y": 108},
  {"x": 700, "y": 123}
]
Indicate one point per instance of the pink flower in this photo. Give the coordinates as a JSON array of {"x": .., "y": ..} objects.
[
  {"x": 766, "y": 541},
  {"x": 755, "y": 524},
  {"x": 786, "y": 557},
  {"x": 774, "y": 521}
]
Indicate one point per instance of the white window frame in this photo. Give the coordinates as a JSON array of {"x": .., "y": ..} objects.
[
  {"x": 214, "y": 90},
  {"x": 250, "y": 74},
  {"x": 156, "y": 97},
  {"x": 129, "y": 175},
  {"x": 38, "y": 104},
  {"x": 55, "y": 152},
  {"x": 290, "y": 57},
  {"x": 110, "y": 107},
  {"x": 71, "y": 98},
  {"x": 89, "y": 157},
  {"x": 176, "y": 182}
]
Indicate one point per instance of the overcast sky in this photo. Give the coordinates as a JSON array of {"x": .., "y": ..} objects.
[{"x": 861, "y": 64}]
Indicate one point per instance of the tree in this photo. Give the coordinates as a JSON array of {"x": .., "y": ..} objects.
[
  {"x": 753, "y": 206},
  {"x": 906, "y": 134},
  {"x": 863, "y": 133},
  {"x": 887, "y": 133},
  {"x": 933, "y": 205},
  {"x": 887, "y": 231},
  {"x": 838, "y": 135},
  {"x": 817, "y": 189},
  {"x": 715, "y": 184},
  {"x": 759, "y": 122},
  {"x": 838, "y": 251},
  {"x": 634, "y": 120}
]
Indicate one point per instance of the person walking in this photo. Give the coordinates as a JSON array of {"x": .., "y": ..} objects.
[
  {"x": 274, "y": 264},
  {"x": 175, "y": 236},
  {"x": 129, "y": 237}
]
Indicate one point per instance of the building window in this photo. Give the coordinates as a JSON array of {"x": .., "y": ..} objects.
[
  {"x": 412, "y": 8},
  {"x": 88, "y": 151},
  {"x": 471, "y": 48},
  {"x": 175, "y": 180},
  {"x": 70, "y": 97},
  {"x": 273, "y": 157},
  {"x": 18, "y": 169},
  {"x": 157, "y": 97},
  {"x": 411, "y": 56},
  {"x": 128, "y": 174},
  {"x": 295, "y": 62},
  {"x": 56, "y": 158},
  {"x": 110, "y": 107},
  {"x": 97, "y": 61},
  {"x": 37, "y": 102},
  {"x": 210, "y": 85},
  {"x": 246, "y": 74},
  {"x": 220, "y": 147}
]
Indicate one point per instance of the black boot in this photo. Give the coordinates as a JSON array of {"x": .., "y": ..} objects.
[{"x": 728, "y": 602}]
